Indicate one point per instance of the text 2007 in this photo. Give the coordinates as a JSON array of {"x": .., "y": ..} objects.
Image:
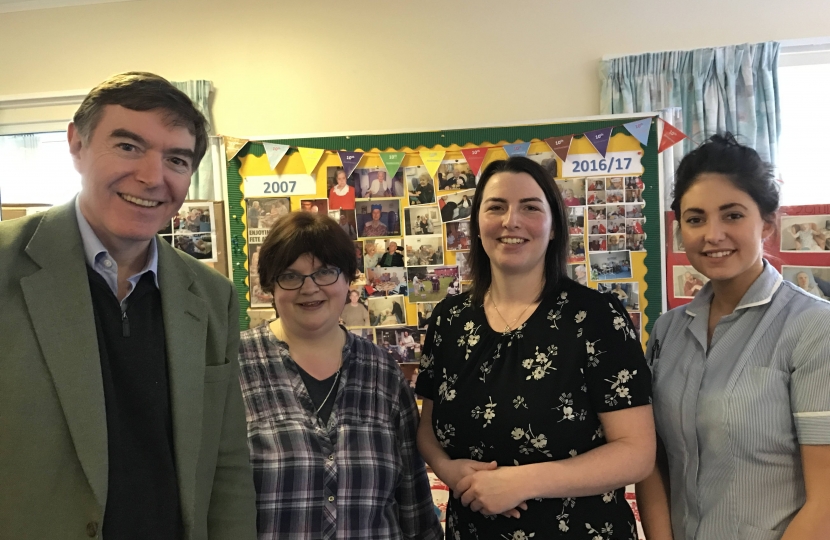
[{"x": 275, "y": 188}]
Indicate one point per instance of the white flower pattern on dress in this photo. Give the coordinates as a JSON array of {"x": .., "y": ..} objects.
[
  {"x": 443, "y": 434},
  {"x": 620, "y": 391},
  {"x": 489, "y": 412},
  {"x": 532, "y": 442},
  {"x": 540, "y": 365},
  {"x": 566, "y": 408},
  {"x": 477, "y": 390},
  {"x": 446, "y": 391}
]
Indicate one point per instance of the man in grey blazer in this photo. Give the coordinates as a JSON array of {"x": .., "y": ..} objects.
[{"x": 121, "y": 415}]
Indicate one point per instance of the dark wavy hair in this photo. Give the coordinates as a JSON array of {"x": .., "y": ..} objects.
[
  {"x": 556, "y": 255},
  {"x": 299, "y": 233},
  {"x": 141, "y": 91},
  {"x": 723, "y": 154}
]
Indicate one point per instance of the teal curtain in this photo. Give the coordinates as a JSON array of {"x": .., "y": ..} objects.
[
  {"x": 201, "y": 185},
  {"x": 719, "y": 89}
]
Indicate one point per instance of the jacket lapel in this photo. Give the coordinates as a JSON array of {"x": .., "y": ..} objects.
[
  {"x": 60, "y": 307},
  {"x": 185, "y": 329}
]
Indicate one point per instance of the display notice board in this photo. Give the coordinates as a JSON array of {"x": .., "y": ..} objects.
[{"x": 414, "y": 190}]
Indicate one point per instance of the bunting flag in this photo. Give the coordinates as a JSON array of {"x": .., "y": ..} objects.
[
  {"x": 560, "y": 145},
  {"x": 517, "y": 149},
  {"x": 349, "y": 160},
  {"x": 233, "y": 145},
  {"x": 392, "y": 161},
  {"x": 599, "y": 139},
  {"x": 474, "y": 157},
  {"x": 640, "y": 129},
  {"x": 671, "y": 136},
  {"x": 311, "y": 157},
  {"x": 275, "y": 153},
  {"x": 432, "y": 160}
]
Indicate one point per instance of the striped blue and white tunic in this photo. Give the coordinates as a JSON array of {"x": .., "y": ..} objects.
[{"x": 732, "y": 416}]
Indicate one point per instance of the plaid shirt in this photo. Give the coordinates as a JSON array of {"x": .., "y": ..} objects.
[{"x": 360, "y": 476}]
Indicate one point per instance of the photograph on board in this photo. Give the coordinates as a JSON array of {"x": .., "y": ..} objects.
[
  {"x": 573, "y": 191},
  {"x": 422, "y": 220},
  {"x": 384, "y": 281},
  {"x": 379, "y": 217},
  {"x": 341, "y": 189},
  {"x": 455, "y": 174},
  {"x": 628, "y": 293},
  {"x": 812, "y": 279},
  {"x": 687, "y": 281},
  {"x": 425, "y": 250},
  {"x": 805, "y": 233},
  {"x": 375, "y": 182},
  {"x": 355, "y": 312},
  {"x": 432, "y": 283},
  {"x": 387, "y": 311},
  {"x": 457, "y": 205},
  {"x": 610, "y": 266},
  {"x": 457, "y": 234},
  {"x": 404, "y": 344},
  {"x": 419, "y": 185}
]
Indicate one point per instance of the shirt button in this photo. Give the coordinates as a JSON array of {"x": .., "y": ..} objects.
[
  {"x": 107, "y": 263},
  {"x": 331, "y": 457},
  {"x": 331, "y": 498},
  {"x": 92, "y": 529}
]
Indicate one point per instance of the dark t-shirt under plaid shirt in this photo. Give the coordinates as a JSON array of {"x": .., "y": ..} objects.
[{"x": 358, "y": 476}]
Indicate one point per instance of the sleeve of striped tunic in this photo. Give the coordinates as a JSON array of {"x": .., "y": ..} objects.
[
  {"x": 810, "y": 379},
  {"x": 417, "y": 516}
]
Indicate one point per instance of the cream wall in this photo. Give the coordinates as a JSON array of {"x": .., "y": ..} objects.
[{"x": 303, "y": 66}]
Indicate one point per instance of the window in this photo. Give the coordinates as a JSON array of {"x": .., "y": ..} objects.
[
  {"x": 37, "y": 169},
  {"x": 805, "y": 139}
]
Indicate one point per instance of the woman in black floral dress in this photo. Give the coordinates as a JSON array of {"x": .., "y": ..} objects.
[{"x": 536, "y": 393}]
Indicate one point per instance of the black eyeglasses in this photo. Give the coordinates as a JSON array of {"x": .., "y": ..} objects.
[{"x": 291, "y": 281}]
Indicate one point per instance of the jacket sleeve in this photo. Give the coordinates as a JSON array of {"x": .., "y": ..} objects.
[{"x": 232, "y": 511}]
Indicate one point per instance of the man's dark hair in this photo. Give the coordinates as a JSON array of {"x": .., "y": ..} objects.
[{"x": 140, "y": 91}]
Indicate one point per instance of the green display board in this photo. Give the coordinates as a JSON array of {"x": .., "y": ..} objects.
[{"x": 464, "y": 137}]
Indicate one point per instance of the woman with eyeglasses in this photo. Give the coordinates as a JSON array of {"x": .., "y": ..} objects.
[{"x": 331, "y": 418}]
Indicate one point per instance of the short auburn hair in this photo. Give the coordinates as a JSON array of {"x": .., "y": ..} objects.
[{"x": 301, "y": 233}]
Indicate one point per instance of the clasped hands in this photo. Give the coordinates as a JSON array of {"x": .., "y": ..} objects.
[{"x": 485, "y": 487}]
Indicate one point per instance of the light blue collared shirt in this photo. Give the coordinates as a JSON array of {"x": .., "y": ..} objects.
[
  {"x": 732, "y": 415},
  {"x": 98, "y": 258}
]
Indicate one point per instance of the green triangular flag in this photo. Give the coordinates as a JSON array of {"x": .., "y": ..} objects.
[{"x": 392, "y": 161}]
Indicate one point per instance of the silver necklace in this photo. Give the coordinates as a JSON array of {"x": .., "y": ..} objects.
[
  {"x": 336, "y": 378},
  {"x": 507, "y": 324}
]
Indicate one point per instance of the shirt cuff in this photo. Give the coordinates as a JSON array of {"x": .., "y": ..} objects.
[{"x": 813, "y": 427}]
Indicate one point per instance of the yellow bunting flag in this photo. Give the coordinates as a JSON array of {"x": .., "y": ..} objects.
[
  {"x": 311, "y": 157},
  {"x": 233, "y": 145},
  {"x": 432, "y": 160}
]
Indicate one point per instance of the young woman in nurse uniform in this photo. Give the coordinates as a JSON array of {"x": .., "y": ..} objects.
[{"x": 741, "y": 374}]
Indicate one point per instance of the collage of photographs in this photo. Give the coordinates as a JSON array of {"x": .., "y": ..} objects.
[
  {"x": 193, "y": 231},
  {"x": 402, "y": 226},
  {"x": 406, "y": 227}
]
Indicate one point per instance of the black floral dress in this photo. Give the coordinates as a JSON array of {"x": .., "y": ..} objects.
[{"x": 532, "y": 395}]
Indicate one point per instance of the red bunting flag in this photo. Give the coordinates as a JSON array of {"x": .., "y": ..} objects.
[
  {"x": 671, "y": 136},
  {"x": 560, "y": 145},
  {"x": 474, "y": 157}
]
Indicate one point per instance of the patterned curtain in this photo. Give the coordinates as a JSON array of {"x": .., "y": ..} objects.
[
  {"x": 720, "y": 89},
  {"x": 201, "y": 185}
]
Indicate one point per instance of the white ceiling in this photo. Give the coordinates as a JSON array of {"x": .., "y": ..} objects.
[{"x": 28, "y": 5}]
